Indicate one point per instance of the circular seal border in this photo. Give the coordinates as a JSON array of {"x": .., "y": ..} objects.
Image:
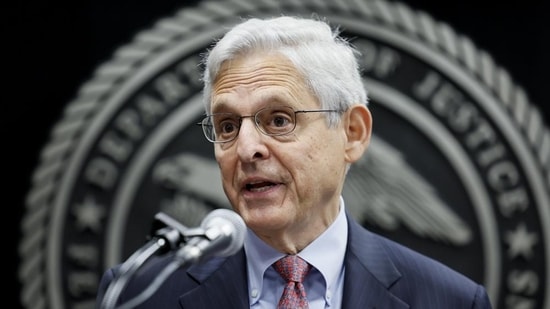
[{"x": 67, "y": 137}]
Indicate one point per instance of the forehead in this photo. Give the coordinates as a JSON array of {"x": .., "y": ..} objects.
[{"x": 259, "y": 79}]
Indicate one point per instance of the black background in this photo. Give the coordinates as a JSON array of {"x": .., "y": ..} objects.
[{"x": 51, "y": 48}]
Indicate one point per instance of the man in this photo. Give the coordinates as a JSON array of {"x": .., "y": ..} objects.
[{"x": 287, "y": 113}]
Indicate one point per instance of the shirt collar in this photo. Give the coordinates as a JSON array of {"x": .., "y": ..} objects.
[{"x": 325, "y": 253}]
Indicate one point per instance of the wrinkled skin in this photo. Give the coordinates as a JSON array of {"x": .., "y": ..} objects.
[{"x": 286, "y": 188}]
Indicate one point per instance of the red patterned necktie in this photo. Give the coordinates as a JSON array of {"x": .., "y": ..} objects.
[{"x": 293, "y": 269}]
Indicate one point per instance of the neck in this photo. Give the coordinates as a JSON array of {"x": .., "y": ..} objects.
[{"x": 295, "y": 239}]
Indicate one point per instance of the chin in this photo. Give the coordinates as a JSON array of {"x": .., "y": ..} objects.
[{"x": 266, "y": 219}]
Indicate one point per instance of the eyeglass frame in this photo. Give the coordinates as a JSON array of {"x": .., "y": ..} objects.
[{"x": 256, "y": 123}]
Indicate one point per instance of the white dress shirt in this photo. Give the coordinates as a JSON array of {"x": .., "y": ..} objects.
[{"x": 324, "y": 283}]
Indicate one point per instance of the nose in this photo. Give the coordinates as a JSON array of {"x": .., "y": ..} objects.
[{"x": 250, "y": 141}]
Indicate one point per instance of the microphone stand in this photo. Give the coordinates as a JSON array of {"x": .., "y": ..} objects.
[
  {"x": 155, "y": 285},
  {"x": 169, "y": 236},
  {"x": 221, "y": 234},
  {"x": 127, "y": 270},
  {"x": 184, "y": 257}
]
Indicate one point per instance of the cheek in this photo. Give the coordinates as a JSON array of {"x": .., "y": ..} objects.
[
  {"x": 314, "y": 161},
  {"x": 226, "y": 170},
  {"x": 327, "y": 158},
  {"x": 324, "y": 151}
]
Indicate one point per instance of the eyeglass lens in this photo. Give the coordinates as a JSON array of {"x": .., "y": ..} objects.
[{"x": 271, "y": 121}]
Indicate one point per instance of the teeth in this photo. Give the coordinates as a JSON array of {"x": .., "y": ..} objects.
[
  {"x": 258, "y": 186},
  {"x": 260, "y": 189}
]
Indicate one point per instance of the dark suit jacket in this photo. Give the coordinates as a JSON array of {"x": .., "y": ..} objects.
[{"x": 379, "y": 274}]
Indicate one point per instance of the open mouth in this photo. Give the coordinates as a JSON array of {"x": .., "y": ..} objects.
[{"x": 259, "y": 186}]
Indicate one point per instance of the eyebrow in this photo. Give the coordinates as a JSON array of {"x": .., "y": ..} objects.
[{"x": 269, "y": 100}]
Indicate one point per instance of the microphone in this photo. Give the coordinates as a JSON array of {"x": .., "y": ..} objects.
[
  {"x": 167, "y": 232},
  {"x": 221, "y": 234}
]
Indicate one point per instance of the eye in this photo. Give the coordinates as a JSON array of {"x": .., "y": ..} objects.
[
  {"x": 225, "y": 125},
  {"x": 276, "y": 120},
  {"x": 280, "y": 120}
]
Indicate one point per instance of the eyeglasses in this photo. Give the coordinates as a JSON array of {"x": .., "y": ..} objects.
[{"x": 271, "y": 121}]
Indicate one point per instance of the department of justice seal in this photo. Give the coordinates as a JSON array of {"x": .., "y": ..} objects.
[{"x": 458, "y": 168}]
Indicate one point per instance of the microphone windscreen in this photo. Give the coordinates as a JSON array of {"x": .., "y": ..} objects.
[{"x": 230, "y": 224}]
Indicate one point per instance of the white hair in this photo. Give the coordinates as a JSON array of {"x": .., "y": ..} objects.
[{"x": 327, "y": 61}]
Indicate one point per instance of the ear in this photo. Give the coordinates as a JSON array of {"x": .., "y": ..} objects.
[{"x": 358, "y": 128}]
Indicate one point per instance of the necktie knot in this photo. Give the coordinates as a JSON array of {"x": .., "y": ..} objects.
[{"x": 292, "y": 268}]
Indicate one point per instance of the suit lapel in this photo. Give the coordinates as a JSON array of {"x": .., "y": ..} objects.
[
  {"x": 370, "y": 272},
  {"x": 222, "y": 284}
]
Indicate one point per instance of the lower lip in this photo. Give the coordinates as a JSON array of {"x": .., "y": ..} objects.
[{"x": 263, "y": 193}]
